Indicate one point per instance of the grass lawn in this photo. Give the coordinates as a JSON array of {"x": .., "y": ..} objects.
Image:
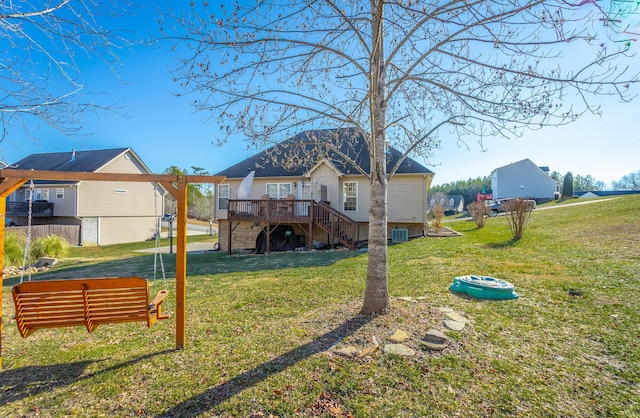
[{"x": 261, "y": 331}]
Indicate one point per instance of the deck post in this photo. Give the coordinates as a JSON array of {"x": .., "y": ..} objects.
[
  {"x": 268, "y": 242},
  {"x": 229, "y": 233}
]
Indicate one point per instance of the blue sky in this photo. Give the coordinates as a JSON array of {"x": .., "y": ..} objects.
[{"x": 164, "y": 130}]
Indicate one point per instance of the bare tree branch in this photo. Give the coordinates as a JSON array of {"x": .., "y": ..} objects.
[
  {"x": 400, "y": 71},
  {"x": 40, "y": 69}
]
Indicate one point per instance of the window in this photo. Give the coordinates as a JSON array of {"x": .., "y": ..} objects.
[
  {"x": 60, "y": 193},
  {"x": 223, "y": 196},
  {"x": 38, "y": 194},
  {"x": 350, "y": 192},
  {"x": 278, "y": 190}
]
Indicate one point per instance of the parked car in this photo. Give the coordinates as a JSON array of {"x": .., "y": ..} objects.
[{"x": 501, "y": 206}]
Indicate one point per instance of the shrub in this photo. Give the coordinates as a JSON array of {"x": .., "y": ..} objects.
[
  {"x": 49, "y": 246},
  {"x": 479, "y": 212},
  {"x": 438, "y": 214},
  {"x": 14, "y": 248},
  {"x": 518, "y": 216}
]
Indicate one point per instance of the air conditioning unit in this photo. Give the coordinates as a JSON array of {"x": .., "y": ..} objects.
[{"x": 399, "y": 235}]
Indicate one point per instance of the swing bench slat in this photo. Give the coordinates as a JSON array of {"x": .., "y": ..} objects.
[{"x": 88, "y": 302}]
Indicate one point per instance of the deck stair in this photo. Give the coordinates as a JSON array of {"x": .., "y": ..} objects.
[{"x": 337, "y": 224}]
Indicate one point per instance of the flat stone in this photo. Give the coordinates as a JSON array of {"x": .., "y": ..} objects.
[
  {"x": 445, "y": 309},
  {"x": 399, "y": 336},
  {"x": 456, "y": 317},
  {"x": 407, "y": 299},
  {"x": 433, "y": 346},
  {"x": 348, "y": 351},
  {"x": 367, "y": 350},
  {"x": 421, "y": 298},
  {"x": 434, "y": 340},
  {"x": 435, "y": 336},
  {"x": 399, "y": 350},
  {"x": 454, "y": 325}
]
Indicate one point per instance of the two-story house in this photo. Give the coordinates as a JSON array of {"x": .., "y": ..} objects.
[
  {"x": 106, "y": 212},
  {"x": 523, "y": 179}
]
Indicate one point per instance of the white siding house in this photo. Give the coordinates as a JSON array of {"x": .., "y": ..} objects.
[
  {"x": 522, "y": 179},
  {"x": 326, "y": 178}
]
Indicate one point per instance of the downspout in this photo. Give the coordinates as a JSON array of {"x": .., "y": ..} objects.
[{"x": 424, "y": 206}]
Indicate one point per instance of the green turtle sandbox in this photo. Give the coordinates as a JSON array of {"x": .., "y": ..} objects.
[{"x": 484, "y": 287}]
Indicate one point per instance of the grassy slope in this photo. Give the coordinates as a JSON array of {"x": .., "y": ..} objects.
[{"x": 258, "y": 329}]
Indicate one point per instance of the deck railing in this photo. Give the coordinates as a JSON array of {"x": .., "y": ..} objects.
[
  {"x": 38, "y": 209},
  {"x": 336, "y": 223},
  {"x": 270, "y": 210}
]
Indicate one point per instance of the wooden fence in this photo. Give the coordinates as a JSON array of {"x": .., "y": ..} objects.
[{"x": 69, "y": 232}]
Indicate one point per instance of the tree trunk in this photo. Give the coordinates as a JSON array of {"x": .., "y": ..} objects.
[{"x": 376, "y": 298}]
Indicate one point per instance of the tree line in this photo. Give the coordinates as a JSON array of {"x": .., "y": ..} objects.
[{"x": 200, "y": 197}]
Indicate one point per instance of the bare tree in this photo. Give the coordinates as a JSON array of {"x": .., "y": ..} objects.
[
  {"x": 438, "y": 214},
  {"x": 630, "y": 181},
  {"x": 399, "y": 72},
  {"x": 479, "y": 212},
  {"x": 518, "y": 214},
  {"x": 44, "y": 44}
]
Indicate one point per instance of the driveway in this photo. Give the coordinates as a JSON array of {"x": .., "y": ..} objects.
[{"x": 193, "y": 247}]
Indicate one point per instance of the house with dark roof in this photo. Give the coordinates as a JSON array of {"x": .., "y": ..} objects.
[
  {"x": 523, "y": 179},
  {"x": 452, "y": 204},
  {"x": 105, "y": 212},
  {"x": 314, "y": 189}
]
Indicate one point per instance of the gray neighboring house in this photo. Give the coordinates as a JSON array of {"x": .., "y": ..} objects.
[
  {"x": 106, "y": 212},
  {"x": 523, "y": 179}
]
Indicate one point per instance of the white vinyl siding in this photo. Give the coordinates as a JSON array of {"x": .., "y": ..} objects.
[
  {"x": 350, "y": 196},
  {"x": 117, "y": 230},
  {"x": 324, "y": 175},
  {"x": 107, "y": 198},
  {"x": 406, "y": 199}
]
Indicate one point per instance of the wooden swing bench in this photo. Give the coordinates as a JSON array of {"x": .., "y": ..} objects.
[{"x": 88, "y": 302}]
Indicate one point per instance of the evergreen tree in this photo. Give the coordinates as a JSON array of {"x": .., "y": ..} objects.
[{"x": 567, "y": 186}]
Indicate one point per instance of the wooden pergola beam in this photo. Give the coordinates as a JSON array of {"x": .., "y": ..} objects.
[
  {"x": 13, "y": 179},
  {"x": 9, "y": 173}
]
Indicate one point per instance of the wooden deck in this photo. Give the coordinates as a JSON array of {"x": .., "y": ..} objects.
[{"x": 291, "y": 211}]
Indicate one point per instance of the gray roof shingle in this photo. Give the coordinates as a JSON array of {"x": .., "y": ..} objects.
[
  {"x": 297, "y": 155},
  {"x": 76, "y": 161}
]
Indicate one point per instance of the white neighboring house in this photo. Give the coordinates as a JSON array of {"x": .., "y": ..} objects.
[
  {"x": 523, "y": 179},
  {"x": 107, "y": 212}
]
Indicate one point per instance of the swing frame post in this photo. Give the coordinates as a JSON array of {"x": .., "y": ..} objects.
[{"x": 13, "y": 179}]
